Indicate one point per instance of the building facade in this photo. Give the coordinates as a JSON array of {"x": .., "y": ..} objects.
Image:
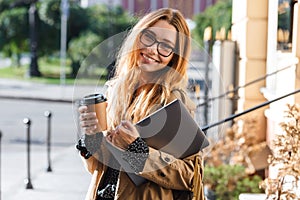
[
  {"x": 139, "y": 7},
  {"x": 267, "y": 48}
]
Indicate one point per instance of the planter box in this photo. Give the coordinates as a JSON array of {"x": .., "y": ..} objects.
[{"x": 246, "y": 196}]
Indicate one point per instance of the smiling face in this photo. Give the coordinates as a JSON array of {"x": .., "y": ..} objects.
[{"x": 155, "y": 46}]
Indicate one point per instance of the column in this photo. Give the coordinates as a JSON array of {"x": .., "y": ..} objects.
[{"x": 249, "y": 30}]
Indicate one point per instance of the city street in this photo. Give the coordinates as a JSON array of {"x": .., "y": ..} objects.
[
  {"x": 14, "y": 150},
  {"x": 13, "y": 112}
]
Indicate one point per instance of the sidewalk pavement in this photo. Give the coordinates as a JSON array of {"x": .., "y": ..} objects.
[
  {"x": 10, "y": 88},
  {"x": 68, "y": 180}
]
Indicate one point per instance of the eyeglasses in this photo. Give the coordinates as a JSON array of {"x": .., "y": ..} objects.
[{"x": 148, "y": 39}]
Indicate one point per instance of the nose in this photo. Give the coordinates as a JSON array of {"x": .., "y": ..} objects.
[{"x": 153, "y": 48}]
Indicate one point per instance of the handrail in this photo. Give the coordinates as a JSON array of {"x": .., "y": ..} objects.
[
  {"x": 233, "y": 91},
  {"x": 205, "y": 128}
]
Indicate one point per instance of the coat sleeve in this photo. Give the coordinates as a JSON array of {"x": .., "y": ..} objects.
[
  {"x": 169, "y": 172},
  {"x": 97, "y": 160}
]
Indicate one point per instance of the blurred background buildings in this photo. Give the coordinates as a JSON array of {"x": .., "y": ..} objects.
[{"x": 188, "y": 8}]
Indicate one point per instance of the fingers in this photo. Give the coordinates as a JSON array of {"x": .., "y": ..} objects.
[
  {"x": 128, "y": 128},
  {"x": 109, "y": 135},
  {"x": 123, "y": 135},
  {"x": 88, "y": 120},
  {"x": 116, "y": 140},
  {"x": 87, "y": 116},
  {"x": 127, "y": 125},
  {"x": 83, "y": 109},
  {"x": 88, "y": 123}
]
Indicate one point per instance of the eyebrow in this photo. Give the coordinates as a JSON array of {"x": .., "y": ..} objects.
[{"x": 166, "y": 40}]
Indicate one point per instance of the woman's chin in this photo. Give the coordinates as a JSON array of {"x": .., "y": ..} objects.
[
  {"x": 151, "y": 68},
  {"x": 146, "y": 68}
]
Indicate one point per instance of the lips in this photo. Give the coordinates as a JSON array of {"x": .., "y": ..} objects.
[{"x": 148, "y": 59}]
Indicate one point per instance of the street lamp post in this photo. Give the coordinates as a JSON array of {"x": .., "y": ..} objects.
[{"x": 63, "y": 40}]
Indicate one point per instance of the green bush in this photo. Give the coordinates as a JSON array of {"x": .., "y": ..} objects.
[{"x": 229, "y": 181}]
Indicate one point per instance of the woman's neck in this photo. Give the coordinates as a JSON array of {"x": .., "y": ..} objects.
[
  {"x": 150, "y": 77},
  {"x": 146, "y": 77}
]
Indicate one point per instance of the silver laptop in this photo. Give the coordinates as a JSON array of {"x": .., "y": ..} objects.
[
  {"x": 170, "y": 129},
  {"x": 173, "y": 130}
]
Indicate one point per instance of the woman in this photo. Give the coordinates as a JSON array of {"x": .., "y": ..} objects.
[{"x": 150, "y": 73}]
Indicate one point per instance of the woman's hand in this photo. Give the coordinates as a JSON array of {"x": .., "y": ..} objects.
[
  {"x": 125, "y": 134},
  {"x": 88, "y": 121}
]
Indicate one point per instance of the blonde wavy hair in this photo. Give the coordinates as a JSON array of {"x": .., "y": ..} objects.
[{"x": 123, "y": 102}]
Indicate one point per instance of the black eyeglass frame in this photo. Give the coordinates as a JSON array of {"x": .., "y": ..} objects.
[{"x": 158, "y": 43}]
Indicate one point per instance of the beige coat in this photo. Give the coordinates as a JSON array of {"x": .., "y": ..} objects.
[{"x": 172, "y": 174}]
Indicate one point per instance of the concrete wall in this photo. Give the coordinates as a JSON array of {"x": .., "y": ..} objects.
[
  {"x": 254, "y": 29},
  {"x": 249, "y": 30}
]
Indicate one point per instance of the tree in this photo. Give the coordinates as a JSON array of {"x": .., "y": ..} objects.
[
  {"x": 108, "y": 21},
  {"x": 80, "y": 48},
  {"x": 103, "y": 22},
  {"x": 50, "y": 15},
  {"x": 14, "y": 32},
  {"x": 98, "y": 22},
  {"x": 16, "y": 18},
  {"x": 216, "y": 16}
]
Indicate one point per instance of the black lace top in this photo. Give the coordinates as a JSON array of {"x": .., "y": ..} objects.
[{"x": 135, "y": 155}]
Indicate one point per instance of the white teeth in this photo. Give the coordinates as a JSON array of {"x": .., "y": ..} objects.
[{"x": 148, "y": 58}]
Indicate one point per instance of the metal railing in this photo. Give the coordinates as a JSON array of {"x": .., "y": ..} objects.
[
  {"x": 205, "y": 128},
  {"x": 234, "y": 91}
]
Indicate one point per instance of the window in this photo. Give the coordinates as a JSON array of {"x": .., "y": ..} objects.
[{"x": 285, "y": 24}]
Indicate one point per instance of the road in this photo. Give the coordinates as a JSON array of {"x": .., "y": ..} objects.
[
  {"x": 12, "y": 113},
  {"x": 13, "y": 143}
]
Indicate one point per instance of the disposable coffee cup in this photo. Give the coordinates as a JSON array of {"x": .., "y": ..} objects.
[{"x": 97, "y": 103}]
